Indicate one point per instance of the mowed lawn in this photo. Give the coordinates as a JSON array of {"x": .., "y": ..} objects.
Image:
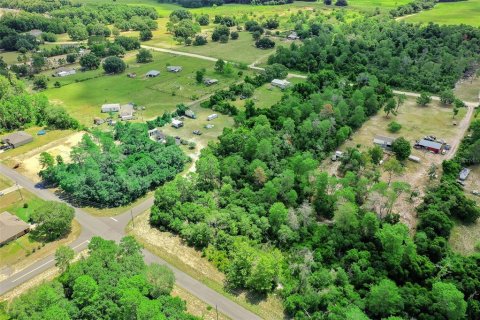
[
  {"x": 461, "y": 12},
  {"x": 84, "y": 99}
]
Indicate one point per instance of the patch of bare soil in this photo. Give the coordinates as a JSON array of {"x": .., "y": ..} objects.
[{"x": 31, "y": 160}]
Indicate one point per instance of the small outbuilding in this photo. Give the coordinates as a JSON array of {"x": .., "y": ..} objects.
[
  {"x": 17, "y": 139},
  {"x": 132, "y": 75},
  {"x": 209, "y": 82},
  {"x": 35, "y": 32},
  {"x": 98, "y": 121},
  {"x": 174, "y": 69},
  {"x": 11, "y": 227},
  {"x": 111, "y": 107},
  {"x": 463, "y": 175},
  {"x": 212, "y": 116},
  {"x": 189, "y": 113},
  {"x": 293, "y": 36},
  {"x": 434, "y": 146},
  {"x": 282, "y": 84},
  {"x": 152, "y": 73},
  {"x": 157, "y": 135},
  {"x": 64, "y": 73},
  {"x": 126, "y": 112},
  {"x": 384, "y": 142},
  {"x": 177, "y": 123},
  {"x": 414, "y": 158}
]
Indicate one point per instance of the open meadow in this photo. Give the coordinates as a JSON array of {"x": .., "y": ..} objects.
[
  {"x": 460, "y": 12},
  {"x": 84, "y": 99}
]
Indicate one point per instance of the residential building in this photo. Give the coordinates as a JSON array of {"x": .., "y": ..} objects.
[
  {"x": 157, "y": 135},
  {"x": 384, "y": 142},
  {"x": 177, "y": 123},
  {"x": 126, "y": 112},
  {"x": 111, "y": 107},
  {"x": 11, "y": 227},
  {"x": 282, "y": 84},
  {"x": 64, "y": 73},
  {"x": 17, "y": 139}
]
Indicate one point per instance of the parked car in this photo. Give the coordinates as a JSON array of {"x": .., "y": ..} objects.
[
  {"x": 476, "y": 192},
  {"x": 197, "y": 132},
  {"x": 1, "y": 193}
]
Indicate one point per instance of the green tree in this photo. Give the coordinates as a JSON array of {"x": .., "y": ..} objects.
[
  {"x": 146, "y": 34},
  {"x": 85, "y": 291},
  {"x": 208, "y": 169},
  {"x": 402, "y": 148},
  {"x": 424, "y": 99},
  {"x": 46, "y": 160},
  {"x": 376, "y": 153},
  {"x": 447, "y": 97},
  {"x": 394, "y": 127},
  {"x": 390, "y": 107},
  {"x": 219, "y": 66},
  {"x": 114, "y": 65},
  {"x": 199, "y": 75},
  {"x": 78, "y": 32},
  {"x": 384, "y": 299},
  {"x": 144, "y": 56},
  {"x": 401, "y": 98},
  {"x": 161, "y": 279},
  {"x": 449, "y": 302},
  {"x": 393, "y": 167},
  {"x": 53, "y": 219},
  {"x": 90, "y": 61},
  {"x": 345, "y": 217},
  {"x": 63, "y": 257},
  {"x": 275, "y": 71}
]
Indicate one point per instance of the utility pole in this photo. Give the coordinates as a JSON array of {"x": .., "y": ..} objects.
[{"x": 18, "y": 188}]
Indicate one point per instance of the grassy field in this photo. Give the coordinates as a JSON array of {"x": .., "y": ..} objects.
[
  {"x": 462, "y": 12},
  {"x": 160, "y": 94},
  {"x": 241, "y": 50},
  {"x": 468, "y": 90}
]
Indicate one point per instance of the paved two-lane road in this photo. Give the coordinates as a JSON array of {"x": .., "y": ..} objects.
[{"x": 113, "y": 228}]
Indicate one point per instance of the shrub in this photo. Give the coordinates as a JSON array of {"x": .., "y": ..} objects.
[{"x": 394, "y": 127}]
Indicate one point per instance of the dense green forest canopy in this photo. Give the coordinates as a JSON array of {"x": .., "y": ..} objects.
[
  {"x": 80, "y": 21},
  {"x": 113, "y": 282},
  {"x": 209, "y": 3},
  {"x": 419, "y": 58},
  {"x": 20, "y": 108},
  {"x": 106, "y": 173},
  {"x": 332, "y": 247}
]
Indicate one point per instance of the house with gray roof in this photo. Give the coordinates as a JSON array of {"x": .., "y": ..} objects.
[
  {"x": 11, "y": 227},
  {"x": 17, "y": 139}
]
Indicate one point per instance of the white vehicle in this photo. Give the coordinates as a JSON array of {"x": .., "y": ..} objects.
[{"x": 212, "y": 116}]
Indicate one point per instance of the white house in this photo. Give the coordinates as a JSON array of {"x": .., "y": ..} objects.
[
  {"x": 212, "y": 116},
  {"x": 65, "y": 73},
  {"x": 126, "y": 112},
  {"x": 282, "y": 84},
  {"x": 111, "y": 107},
  {"x": 177, "y": 123}
]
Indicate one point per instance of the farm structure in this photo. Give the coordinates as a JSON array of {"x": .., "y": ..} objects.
[
  {"x": 209, "y": 82},
  {"x": 433, "y": 146},
  {"x": 132, "y": 75},
  {"x": 293, "y": 36},
  {"x": 11, "y": 227},
  {"x": 98, "y": 121},
  {"x": 111, "y": 107},
  {"x": 17, "y": 139},
  {"x": 282, "y": 84},
  {"x": 174, "y": 69},
  {"x": 157, "y": 135},
  {"x": 384, "y": 142},
  {"x": 152, "y": 74}
]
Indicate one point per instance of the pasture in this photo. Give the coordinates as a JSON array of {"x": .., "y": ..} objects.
[
  {"x": 83, "y": 99},
  {"x": 461, "y": 12}
]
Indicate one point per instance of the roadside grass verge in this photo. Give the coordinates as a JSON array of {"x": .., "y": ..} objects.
[
  {"x": 461, "y": 12},
  {"x": 171, "y": 248}
]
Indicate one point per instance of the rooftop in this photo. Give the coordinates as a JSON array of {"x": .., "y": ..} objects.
[
  {"x": 16, "y": 137},
  {"x": 430, "y": 144},
  {"x": 10, "y": 226}
]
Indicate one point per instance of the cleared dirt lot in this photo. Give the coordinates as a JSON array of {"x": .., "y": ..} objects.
[
  {"x": 417, "y": 122},
  {"x": 29, "y": 161}
]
